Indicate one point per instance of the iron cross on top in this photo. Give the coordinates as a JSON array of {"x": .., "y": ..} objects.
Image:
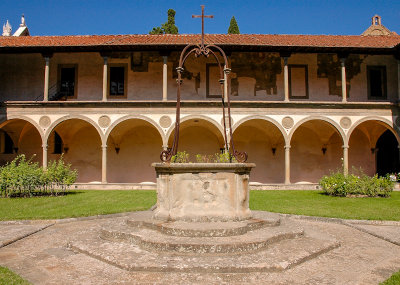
[{"x": 202, "y": 16}]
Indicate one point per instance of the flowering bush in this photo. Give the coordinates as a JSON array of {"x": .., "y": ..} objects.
[
  {"x": 24, "y": 178},
  {"x": 338, "y": 184}
]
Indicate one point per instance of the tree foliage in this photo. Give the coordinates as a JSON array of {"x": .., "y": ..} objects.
[
  {"x": 233, "y": 27},
  {"x": 168, "y": 27}
]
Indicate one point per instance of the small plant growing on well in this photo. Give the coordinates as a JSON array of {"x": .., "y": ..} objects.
[{"x": 180, "y": 157}]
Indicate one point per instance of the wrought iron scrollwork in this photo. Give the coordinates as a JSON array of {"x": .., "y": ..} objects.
[{"x": 206, "y": 51}]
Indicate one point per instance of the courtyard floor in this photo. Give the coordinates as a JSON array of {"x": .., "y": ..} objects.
[{"x": 37, "y": 251}]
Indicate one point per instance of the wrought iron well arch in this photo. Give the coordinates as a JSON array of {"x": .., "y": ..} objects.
[{"x": 205, "y": 50}]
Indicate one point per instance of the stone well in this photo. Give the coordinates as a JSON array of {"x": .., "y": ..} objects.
[{"x": 202, "y": 191}]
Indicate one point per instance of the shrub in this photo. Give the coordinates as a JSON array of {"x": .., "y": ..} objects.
[
  {"x": 338, "y": 184},
  {"x": 24, "y": 178},
  {"x": 180, "y": 157}
]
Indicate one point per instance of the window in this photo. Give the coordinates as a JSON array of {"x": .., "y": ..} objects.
[
  {"x": 58, "y": 144},
  {"x": 117, "y": 82},
  {"x": 67, "y": 81},
  {"x": 7, "y": 145},
  {"x": 376, "y": 78},
  {"x": 298, "y": 81}
]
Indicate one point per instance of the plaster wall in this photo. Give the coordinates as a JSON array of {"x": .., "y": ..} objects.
[
  {"x": 360, "y": 155},
  {"x": 21, "y": 77},
  {"x": 139, "y": 147},
  {"x": 308, "y": 162},
  {"x": 84, "y": 153},
  {"x": 258, "y": 142}
]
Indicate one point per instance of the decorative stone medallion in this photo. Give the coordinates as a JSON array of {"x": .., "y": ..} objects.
[
  {"x": 44, "y": 121},
  {"x": 398, "y": 121},
  {"x": 226, "y": 121},
  {"x": 165, "y": 121},
  {"x": 345, "y": 122},
  {"x": 287, "y": 122},
  {"x": 104, "y": 121}
]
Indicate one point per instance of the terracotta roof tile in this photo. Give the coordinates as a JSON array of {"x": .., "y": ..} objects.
[{"x": 219, "y": 39}]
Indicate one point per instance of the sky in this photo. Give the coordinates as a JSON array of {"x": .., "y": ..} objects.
[{"x": 102, "y": 17}]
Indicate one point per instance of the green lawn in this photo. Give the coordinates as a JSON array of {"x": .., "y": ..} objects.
[
  {"x": 315, "y": 203},
  {"x": 8, "y": 277},
  {"x": 393, "y": 280},
  {"x": 89, "y": 203},
  {"x": 76, "y": 204}
]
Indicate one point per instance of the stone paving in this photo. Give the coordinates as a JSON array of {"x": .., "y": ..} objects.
[{"x": 368, "y": 254}]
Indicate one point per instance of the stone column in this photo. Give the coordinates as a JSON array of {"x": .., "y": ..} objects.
[
  {"x": 105, "y": 78},
  {"x": 104, "y": 164},
  {"x": 398, "y": 79},
  {"x": 345, "y": 159},
  {"x": 44, "y": 146},
  {"x": 286, "y": 78},
  {"x": 287, "y": 164},
  {"x": 344, "y": 87},
  {"x": 46, "y": 79},
  {"x": 165, "y": 79}
]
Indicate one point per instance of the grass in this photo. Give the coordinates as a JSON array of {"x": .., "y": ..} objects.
[
  {"x": 8, "y": 277},
  {"x": 76, "y": 204},
  {"x": 393, "y": 280},
  {"x": 89, "y": 203},
  {"x": 315, "y": 203}
]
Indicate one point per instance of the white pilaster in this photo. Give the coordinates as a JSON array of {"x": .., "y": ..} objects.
[
  {"x": 286, "y": 78},
  {"x": 46, "y": 79},
  {"x": 165, "y": 78},
  {"x": 287, "y": 164},
  {"x": 345, "y": 159},
  {"x": 105, "y": 75},
  {"x": 44, "y": 147},
  {"x": 344, "y": 87},
  {"x": 104, "y": 164}
]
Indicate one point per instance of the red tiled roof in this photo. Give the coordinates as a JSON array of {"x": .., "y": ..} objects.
[{"x": 316, "y": 41}]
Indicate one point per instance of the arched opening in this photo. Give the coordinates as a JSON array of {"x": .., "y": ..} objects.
[
  {"x": 387, "y": 156},
  {"x": 198, "y": 136},
  {"x": 131, "y": 148},
  {"x": 80, "y": 145},
  {"x": 316, "y": 150},
  {"x": 373, "y": 148},
  {"x": 264, "y": 144},
  {"x": 18, "y": 136}
]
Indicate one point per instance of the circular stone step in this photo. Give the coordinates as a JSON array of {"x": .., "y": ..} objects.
[
  {"x": 204, "y": 229},
  {"x": 153, "y": 240}
]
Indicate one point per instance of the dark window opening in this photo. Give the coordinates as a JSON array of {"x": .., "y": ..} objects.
[
  {"x": 117, "y": 81},
  {"x": 8, "y": 144},
  {"x": 67, "y": 81},
  {"x": 57, "y": 144},
  {"x": 376, "y": 82},
  {"x": 387, "y": 157}
]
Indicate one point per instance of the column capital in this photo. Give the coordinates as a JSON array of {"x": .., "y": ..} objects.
[
  {"x": 103, "y": 146},
  {"x": 285, "y": 54},
  {"x": 47, "y": 55},
  {"x": 287, "y": 147},
  {"x": 45, "y": 146},
  {"x": 345, "y": 146}
]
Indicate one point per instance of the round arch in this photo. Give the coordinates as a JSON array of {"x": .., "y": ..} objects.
[
  {"x": 265, "y": 118},
  {"x": 194, "y": 117},
  {"x": 51, "y": 128},
  {"x": 24, "y": 118},
  {"x": 135, "y": 117},
  {"x": 320, "y": 118},
  {"x": 385, "y": 121}
]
